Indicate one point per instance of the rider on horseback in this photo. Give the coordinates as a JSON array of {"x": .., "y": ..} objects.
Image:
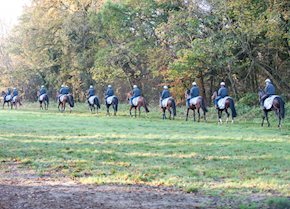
[
  {"x": 194, "y": 92},
  {"x": 109, "y": 92},
  {"x": 15, "y": 93},
  {"x": 223, "y": 92},
  {"x": 165, "y": 94},
  {"x": 136, "y": 93},
  {"x": 91, "y": 91},
  {"x": 269, "y": 91},
  {"x": 8, "y": 95},
  {"x": 42, "y": 92}
]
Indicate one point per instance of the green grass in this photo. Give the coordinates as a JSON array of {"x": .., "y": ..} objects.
[{"x": 241, "y": 158}]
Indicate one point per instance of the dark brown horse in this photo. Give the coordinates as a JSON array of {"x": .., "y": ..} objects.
[
  {"x": 16, "y": 100},
  {"x": 114, "y": 103},
  {"x": 229, "y": 104},
  {"x": 278, "y": 106},
  {"x": 141, "y": 103},
  {"x": 200, "y": 104},
  {"x": 170, "y": 104},
  {"x": 5, "y": 100},
  {"x": 67, "y": 98}
]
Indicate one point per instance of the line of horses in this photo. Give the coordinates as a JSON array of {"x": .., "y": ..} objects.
[{"x": 278, "y": 106}]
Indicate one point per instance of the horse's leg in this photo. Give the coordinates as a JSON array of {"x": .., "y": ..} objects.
[
  {"x": 187, "y": 114},
  {"x": 139, "y": 110},
  {"x": 228, "y": 115},
  {"x": 169, "y": 113},
  {"x": 220, "y": 117},
  {"x": 108, "y": 113},
  {"x": 267, "y": 118},
  {"x": 194, "y": 115},
  {"x": 204, "y": 115},
  {"x": 130, "y": 110},
  {"x": 163, "y": 113},
  {"x": 263, "y": 118},
  {"x": 198, "y": 112}
]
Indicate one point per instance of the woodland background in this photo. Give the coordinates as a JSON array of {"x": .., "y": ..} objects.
[{"x": 149, "y": 43}]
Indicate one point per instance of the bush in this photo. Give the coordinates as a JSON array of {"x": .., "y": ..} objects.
[
  {"x": 279, "y": 203},
  {"x": 250, "y": 99}
]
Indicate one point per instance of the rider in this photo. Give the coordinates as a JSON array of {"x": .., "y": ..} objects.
[
  {"x": 165, "y": 94},
  {"x": 91, "y": 91},
  {"x": 269, "y": 90},
  {"x": 42, "y": 90},
  {"x": 194, "y": 92},
  {"x": 66, "y": 90},
  {"x": 15, "y": 93},
  {"x": 222, "y": 92},
  {"x": 109, "y": 92},
  {"x": 136, "y": 93}
]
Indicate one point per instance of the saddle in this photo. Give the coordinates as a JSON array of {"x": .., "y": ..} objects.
[
  {"x": 91, "y": 99},
  {"x": 222, "y": 102},
  {"x": 109, "y": 100},
  {"x": 269, "y": 101},
  {"x": 193, "y": 101},
  {"x": 164, "y": 102},
  {"x": 135, "y": 101}
]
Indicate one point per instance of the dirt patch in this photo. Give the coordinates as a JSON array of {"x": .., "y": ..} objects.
[{"x": 22, "y": 188}]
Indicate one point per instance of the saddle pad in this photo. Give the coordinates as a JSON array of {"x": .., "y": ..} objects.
[
  {"x": 7, "y": 98},
  {"x": 41, "y": 97},
  {"x": 14, "y": 99},
  {"x": 222, "y": 102},
  {"x": 194, "y": 100},
  {"x": 110, "y": 99},
  {"x": 269, "y": 101},
  {"x": 164, "y": 102},
  {"x": 91, "y": 99},
  {"x": 61, "y": 98},
  {"x": 135, "y": 101}
]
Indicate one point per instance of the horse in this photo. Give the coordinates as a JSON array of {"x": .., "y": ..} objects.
[
  {"x": 67, "y": 98},
  {"x": 5, "y": 100},
  {"x": 170, "y": 104},
  {"x": 140, "y": 103},
  {"x": 15, "y": 100},
  {"x": 278, "y": 106},
  {"x": 200, "y": 104},
  {"x": 92, "y": 101},
  {"x": 229, "y": 103},
  {"x": 114, "y": 103},
  {"x": 43, "y": 99}
]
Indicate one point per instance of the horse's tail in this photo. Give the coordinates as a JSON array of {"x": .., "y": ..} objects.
[
  {"x": 173, "y": 107},
  {"x": 145, "y": 105},
  {"x": 97, "y": 102},
  {"x": 71, "y": 100},
  {"x": 232, "y": 106},
  {"x": 203, "y": 106},
  {"x": 47, "y": 99},
  {"x": 115, "y": 102},
  {"x": 282, "y": 106}
]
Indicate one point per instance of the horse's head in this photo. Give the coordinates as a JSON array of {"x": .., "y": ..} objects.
[
  {"x": 214, "y": 95},
  {"x": 261, "y": 92},
  {"x": 187, "y": 94},
  {"x": 129, "y": 95},
  {"x": 3, "y": 93}
]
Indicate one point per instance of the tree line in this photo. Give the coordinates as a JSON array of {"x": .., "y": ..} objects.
[{"x": 149, "y": 43}]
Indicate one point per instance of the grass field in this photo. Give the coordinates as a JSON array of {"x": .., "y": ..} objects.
[{"x": 231, "y": 160}]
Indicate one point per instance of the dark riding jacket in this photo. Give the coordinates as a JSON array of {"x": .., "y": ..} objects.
[
  {"x": 194, "y": 92},
  {"x": 42, "y": 91},
  {"x": 270, "y": 89},
  {"x": 136, "y": 92},
  {"x": 165, "y": 94},
  {"x": 223, "y": 92},
  {"x": 66, "y": 90},
  {"x": 8, "y": 92},
  {"x": 109, "y": 92},
  {"x": 91, "y": 92},
  {"x": 62, "y": 90},
  {"x": 15, "y": 92}
]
